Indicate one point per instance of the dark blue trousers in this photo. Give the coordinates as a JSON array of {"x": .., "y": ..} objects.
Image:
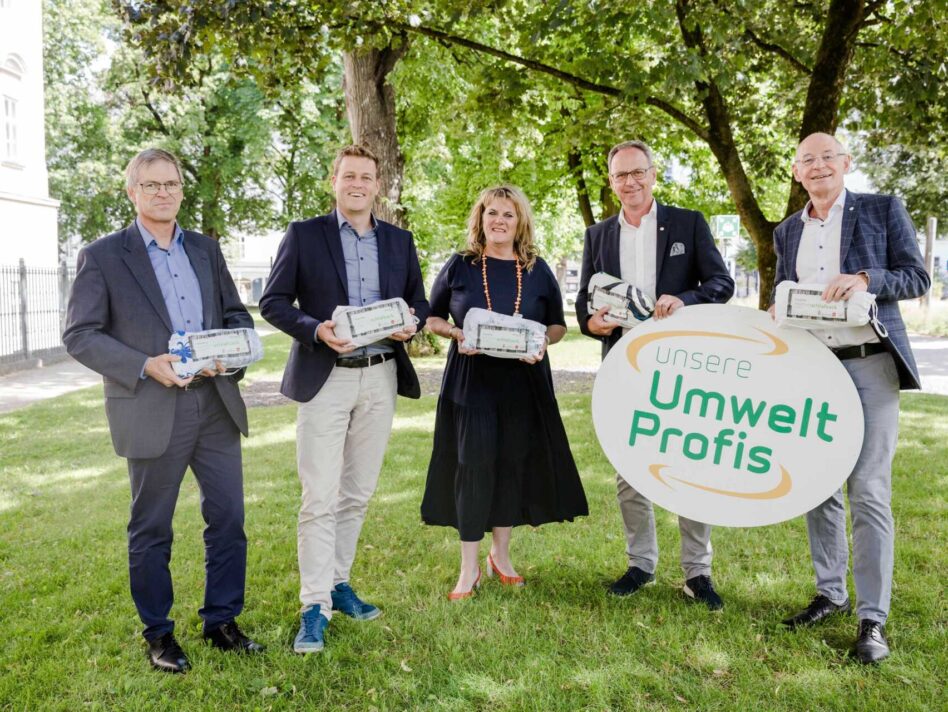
[{"x": 205, "y": 438}]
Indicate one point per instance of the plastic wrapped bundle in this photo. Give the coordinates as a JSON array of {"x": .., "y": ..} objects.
[
  {"x": 502, "y": 336},
  {"x": 628, "y": 305},
  {"x": 802, "y": 305},
  {"x": 366, "y": 325},
  {"x": 234, "y": 348}
]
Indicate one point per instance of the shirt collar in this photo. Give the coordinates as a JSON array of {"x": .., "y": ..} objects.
[
  {"x": 836, "y": 207},
  {"x": 652, "y": 214},
  {"x": 341, "y": 220},
  {"x": 148, "y": 238}
]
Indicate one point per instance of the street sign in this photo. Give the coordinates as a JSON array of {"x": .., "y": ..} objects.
[{"x": 725, "y": 227}]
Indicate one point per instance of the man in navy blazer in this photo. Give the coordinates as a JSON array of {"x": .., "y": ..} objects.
[
  {"x": 346, "y": 395},
  {"x": 852, "y": 243},
  {"x": 133, "y": 288},
  {"x": 668, "y": 253}
]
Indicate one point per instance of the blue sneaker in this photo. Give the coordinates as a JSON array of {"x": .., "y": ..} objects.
[
  {"x": 312, "y": 626},
  {"x": 345, "y": 600}
]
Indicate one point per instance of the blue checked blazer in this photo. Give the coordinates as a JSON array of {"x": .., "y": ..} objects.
[{"x": 877, "y": 238}]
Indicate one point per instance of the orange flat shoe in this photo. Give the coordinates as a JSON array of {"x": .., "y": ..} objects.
[
  {"x": 505, "y": 580},
  {"x": 466, "y": 594}
]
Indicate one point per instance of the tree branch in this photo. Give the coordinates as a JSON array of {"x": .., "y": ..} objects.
[
  {"x": 606, "y": 89},
  {"x": 766, "y": 45},
  {"x": 776, "y": 49}
]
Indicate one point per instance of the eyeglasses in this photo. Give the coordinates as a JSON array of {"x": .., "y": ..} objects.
[
  {"x": 808, "y": 161},
  {"x": 172, "y": 187},
  {"x": 637, "y": 174}
]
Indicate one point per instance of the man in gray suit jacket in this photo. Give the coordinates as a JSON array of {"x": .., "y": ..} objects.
[
  {"x": 853, "y": 243},
  {"x": 133, "y": 288}
]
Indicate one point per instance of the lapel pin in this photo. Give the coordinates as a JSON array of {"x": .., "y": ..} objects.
[{"x": 661, "y": 228}]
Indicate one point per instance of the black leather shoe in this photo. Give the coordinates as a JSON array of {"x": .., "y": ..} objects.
[
  {"x": 700, "y": 590},
  {"x": 227, "y": 636},
  {"x": 820, "y": 607},
  {"x": 871, "y": 645},
  {"x": 165, "y": 654},
  {"x": 631, "y": 581}
]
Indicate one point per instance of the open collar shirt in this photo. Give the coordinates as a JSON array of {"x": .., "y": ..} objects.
[
  {"x": 818, "y": 262},
  {"x": 179, "y": 284},
  {"x": 361, "y": 254},
  {"x": 637, "y": 251}
]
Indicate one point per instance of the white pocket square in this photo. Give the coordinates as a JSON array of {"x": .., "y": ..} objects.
[{"x": 677, "y": 248}]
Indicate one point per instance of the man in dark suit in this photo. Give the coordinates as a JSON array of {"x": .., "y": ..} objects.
[
  {"x": 669, "y": 254},
  {"x": 854, "y": 243},
  {"x": 347, "y": 395},
  {"x": 133, "y": 288}
]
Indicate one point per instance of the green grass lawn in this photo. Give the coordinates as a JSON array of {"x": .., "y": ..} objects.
[{"x": 71, "y": 636}]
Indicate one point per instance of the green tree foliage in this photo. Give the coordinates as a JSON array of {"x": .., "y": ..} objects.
[
  {"x": 249, "y": 161},
  {"x": 729, "y": 81}
]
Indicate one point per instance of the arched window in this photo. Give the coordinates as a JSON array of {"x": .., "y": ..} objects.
[
  {"x": 12, "y": 70},
  {"x": 13, "y": 65}
]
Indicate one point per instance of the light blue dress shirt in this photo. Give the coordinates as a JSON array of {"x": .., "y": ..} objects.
[
  {"x": 361, "y": 254},
  {"x": 176, "y": 278}
]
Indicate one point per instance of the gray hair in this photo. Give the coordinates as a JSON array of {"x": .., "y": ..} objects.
[
  {"x": 146, "y": 158},
  {"x": 641, "y": 145}
]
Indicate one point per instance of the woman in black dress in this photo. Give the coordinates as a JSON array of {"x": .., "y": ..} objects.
[{"x": 500, "y": 456}]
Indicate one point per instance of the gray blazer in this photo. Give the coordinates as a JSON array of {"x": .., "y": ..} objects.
[{"x": 117, "y": 318}]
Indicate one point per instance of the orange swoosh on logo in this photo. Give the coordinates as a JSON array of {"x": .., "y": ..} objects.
[
  {"x": 783, "y": 487},
  {"x": 632, "y": 350}
]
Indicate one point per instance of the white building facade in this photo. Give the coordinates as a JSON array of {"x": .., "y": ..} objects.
[{"x": 28, "y": 217}]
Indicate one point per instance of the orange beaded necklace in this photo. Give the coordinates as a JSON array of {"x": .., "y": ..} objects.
[{"x": 516, "y": 309}]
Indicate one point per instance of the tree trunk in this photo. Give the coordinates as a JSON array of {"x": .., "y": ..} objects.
[
  {"x": 370, "y": 104},
  {"x": 575, "y": 163}
]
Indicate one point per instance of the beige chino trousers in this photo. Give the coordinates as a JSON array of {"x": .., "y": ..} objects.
[{"x": 341, "y": 436}]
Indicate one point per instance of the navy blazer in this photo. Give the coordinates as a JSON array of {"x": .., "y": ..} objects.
[
  {"x": 877, "y": 237},
  {"x": 308, "y": 281},
  {"x": 696, "y": 273},
  {"x": 117, "y": 318}
]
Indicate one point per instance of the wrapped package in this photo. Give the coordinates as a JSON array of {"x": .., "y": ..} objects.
[
  {"x": 628, "y": 305},
  {"x": 502, "y": 336},
  {"x": 366, "y": 325},
  {"x": 802, "y": 305},
  {"x": 234, "y": 348}
]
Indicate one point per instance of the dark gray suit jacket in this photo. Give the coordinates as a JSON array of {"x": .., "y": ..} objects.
[{"x": 117, "y": 318}]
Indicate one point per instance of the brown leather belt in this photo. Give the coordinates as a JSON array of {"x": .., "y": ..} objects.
[
  {"x": 363, "y": 361},
  {"x": 197, "y": 382},
  {"x": 861, "y": 351}
]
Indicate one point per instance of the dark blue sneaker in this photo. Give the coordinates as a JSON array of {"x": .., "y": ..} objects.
[
  {"x": 312, "y": 626},
  {"x": 701, "y": 590},
  {"x": 345, "y": 600}
]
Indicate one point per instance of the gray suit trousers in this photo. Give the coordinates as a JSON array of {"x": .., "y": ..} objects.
[
  {"x": 870, "y": 494},
  {"x": 641, "y": 540}
]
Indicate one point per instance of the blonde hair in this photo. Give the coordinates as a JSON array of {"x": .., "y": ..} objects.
[
  {"x": 357, "y": 151},
  {"x": 523, "y": 247}
]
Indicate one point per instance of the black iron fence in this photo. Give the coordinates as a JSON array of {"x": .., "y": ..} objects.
[{"x": 32, "y": 312}]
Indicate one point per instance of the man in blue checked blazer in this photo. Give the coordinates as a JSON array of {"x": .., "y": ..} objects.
[
  {"x": 669, "y": 254},
  {"x": 852, "y": 243}
]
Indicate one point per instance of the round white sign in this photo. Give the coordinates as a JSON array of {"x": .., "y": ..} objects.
[{"x": 720, "y": 416}]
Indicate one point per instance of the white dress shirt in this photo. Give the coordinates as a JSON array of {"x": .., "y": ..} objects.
[
  {"x": 637, "y": 251},
  {"x": 818, "y": 262},
  {"x": 637, "y": 248}
]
